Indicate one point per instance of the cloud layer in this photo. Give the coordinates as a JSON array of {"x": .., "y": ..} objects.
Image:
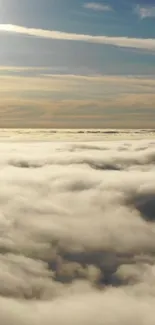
[
  {"x": 127, "y": 42},
  {"x": 77, "y": 233},
  {"x": 38, "y": 98}
]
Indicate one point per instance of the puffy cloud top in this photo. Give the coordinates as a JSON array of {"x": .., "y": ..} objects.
[{"x": 77, "y": 233}]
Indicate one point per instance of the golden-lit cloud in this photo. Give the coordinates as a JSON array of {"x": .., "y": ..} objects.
[
  {"x": 66, "y": 100},
  {"x": 55, "y": 82}
]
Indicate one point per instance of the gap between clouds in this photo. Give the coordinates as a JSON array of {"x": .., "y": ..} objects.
[{"x": 139, "y": 43}]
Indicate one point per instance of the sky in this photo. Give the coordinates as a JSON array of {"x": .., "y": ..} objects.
[{"x": 77, "y": 63}]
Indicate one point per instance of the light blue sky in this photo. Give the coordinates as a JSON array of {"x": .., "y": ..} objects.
[{"x": 76, "y": 63}]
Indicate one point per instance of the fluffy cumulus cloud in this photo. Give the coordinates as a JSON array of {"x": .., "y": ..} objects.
[{"x": 77, "y": 233}]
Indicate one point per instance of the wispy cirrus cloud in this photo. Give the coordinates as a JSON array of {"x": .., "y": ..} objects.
[
  {"x": 126, "y": 42},
  {"x": 145, "y": 12},
  {"x": 97, "y": 6}
]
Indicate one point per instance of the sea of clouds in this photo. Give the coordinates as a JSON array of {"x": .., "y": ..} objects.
[
  {"x": 80, "y": 135},
  {"x": 77, "y": 233}
]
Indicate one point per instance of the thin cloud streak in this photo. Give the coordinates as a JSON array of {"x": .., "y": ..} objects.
[
  {"x": 97, "y": 6},
  {"x": 139, "y": 43}
]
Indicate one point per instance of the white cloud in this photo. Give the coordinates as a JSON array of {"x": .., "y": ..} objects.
[
  {"x": 97, "y": 6},
  {"x": 77, "y": 232},
  {"x": 138, "y": 43},
  {"x": 145, "y": 12}
]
